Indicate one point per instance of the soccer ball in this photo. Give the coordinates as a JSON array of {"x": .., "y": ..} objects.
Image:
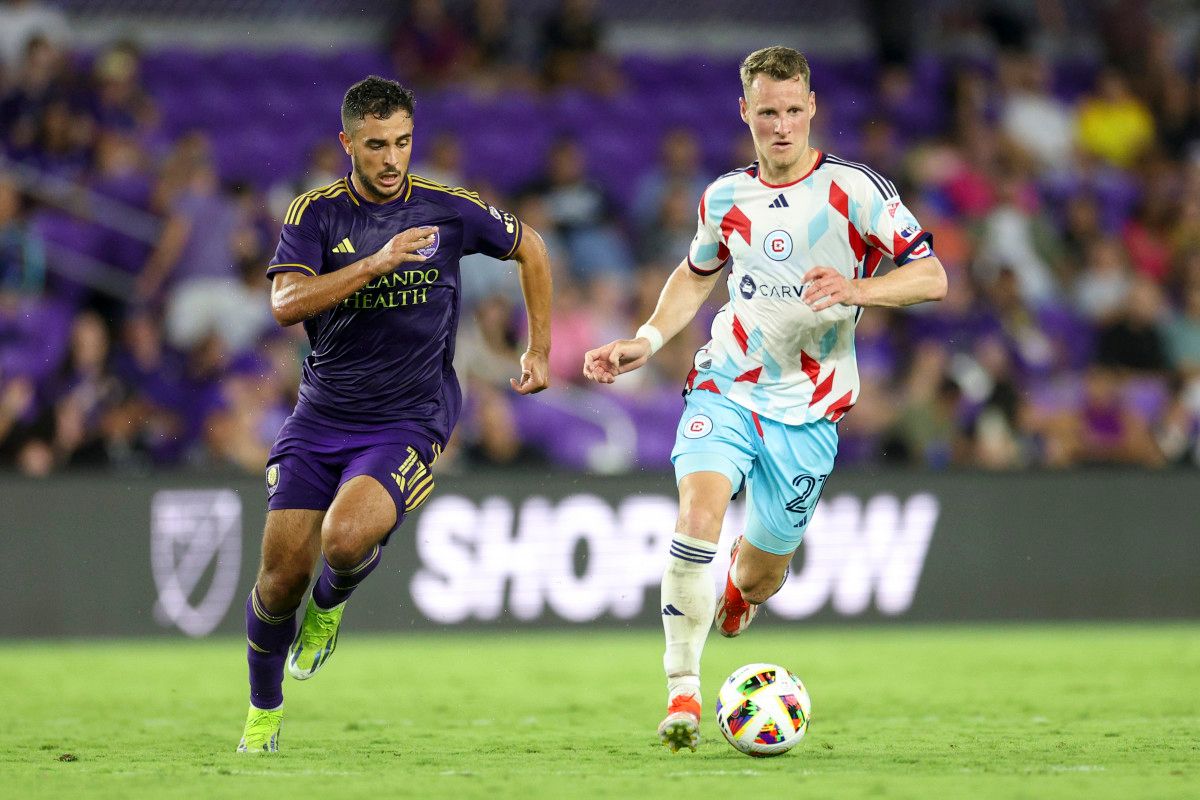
[{"x": 763, "y": 709}]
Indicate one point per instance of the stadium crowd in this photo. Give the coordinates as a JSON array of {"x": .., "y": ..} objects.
[{"x": 1063, "y": 194}]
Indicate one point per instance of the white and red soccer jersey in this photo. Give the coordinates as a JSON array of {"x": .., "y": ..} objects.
[{"x": 769, "y": 351}]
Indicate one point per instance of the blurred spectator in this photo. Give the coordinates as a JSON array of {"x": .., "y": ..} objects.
[
  {"x": 121, "y": 102},
  {"x": 1178, "y": 432},
  {"x": 38, "y": 82},
  {"x": 581, "y": 212},
  {"x": 1081, "y": 227},
  {"x": 678, "y": 170},
  {"x": 570, "y": 48},
  {"x": 197, "y": 239},
  {"x": 997, "y": 431},
  {"x": 1182, "y": 334},
  {"x": 327, "y": 162},
  {"x": 1114, "y": 125},
  {"x": 22, "y": 21},
  {"x": 881, "y": 148},
  {"x": 488, "y": 349},
  {"x": 22, "y": 254},
  {"x": 669, "y": 231},
  {"x": 927, "y": 431},
  {"x": 1031, "y": 345},
  {"x": 1147, "y": 237},
  {"x": 85, "y": 394},
  {"x": 487, "y": 355},
  {"x": 153, "y": 376},
  {"x": 1032, "y": 117},
  {"x": 64, "y": 140},
  {"x": 429, "y": 45},
  {"x": 1107, "y": 432},
  {"x": 1102, "y": 288},
  {"x": 236, "y": 311},
  {"x": 572, "y": 328},
  {"x": 1133, "y": 339},
  {"x": 241, "y": 430},
  {"x": 498, "y": 442},
  {"x": 443, "y": 164},
  {"x": 1016, "y": 238},
  {"x": 498, "y": 42}
]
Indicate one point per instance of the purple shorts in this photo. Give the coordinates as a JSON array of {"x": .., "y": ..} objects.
[{"x": 310, "y": 461}]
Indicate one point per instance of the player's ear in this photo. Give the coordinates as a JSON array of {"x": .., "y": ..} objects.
[
  {"x": 812, "y": 104},
  {"x": 345, "y": 140},
  {"x": 743, "y": 110}
]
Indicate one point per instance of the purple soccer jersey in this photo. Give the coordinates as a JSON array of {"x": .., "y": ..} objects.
[{"x": 384, "y": 356}]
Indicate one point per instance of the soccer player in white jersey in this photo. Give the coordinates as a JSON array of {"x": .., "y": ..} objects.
[{"x": 802, "y": 232}]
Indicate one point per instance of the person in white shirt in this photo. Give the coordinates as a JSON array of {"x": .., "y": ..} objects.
[{"x": 803, "y": 233}]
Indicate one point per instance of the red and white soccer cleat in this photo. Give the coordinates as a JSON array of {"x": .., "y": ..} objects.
[
  {"x": 681, "y": 728},
  {"x": 734, "y": 614}
]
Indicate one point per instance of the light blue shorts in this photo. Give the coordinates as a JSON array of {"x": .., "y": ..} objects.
[{"x": 784, "y": 467}]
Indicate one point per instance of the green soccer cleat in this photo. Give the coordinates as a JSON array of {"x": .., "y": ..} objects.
[
  {"x": 315, "y": 641},
  {"x": 262, "y": 731}
]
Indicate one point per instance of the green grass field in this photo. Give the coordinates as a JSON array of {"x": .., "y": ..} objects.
[{"x": 922, "y": 712}]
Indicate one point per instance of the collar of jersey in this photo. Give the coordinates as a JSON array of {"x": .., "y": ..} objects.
[
  {"x": 817, "y": 163},
  {"x": 401, "y": 198}
]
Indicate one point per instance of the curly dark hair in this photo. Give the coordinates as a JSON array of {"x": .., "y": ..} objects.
[{"x": 376, "y": 96}]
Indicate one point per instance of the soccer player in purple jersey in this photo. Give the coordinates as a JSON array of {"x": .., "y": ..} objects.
[{"x": 370, "y": 266}]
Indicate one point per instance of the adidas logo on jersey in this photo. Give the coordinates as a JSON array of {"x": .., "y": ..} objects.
[
  {"x": 344, "y": 246},
  {"x": 779, "y": 202}
]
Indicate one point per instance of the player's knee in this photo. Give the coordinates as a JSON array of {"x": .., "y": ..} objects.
[
  {"x": 699, "y": 520},
  {"x": 281, "y": 588},
  {"x": 342, "y": 544}
]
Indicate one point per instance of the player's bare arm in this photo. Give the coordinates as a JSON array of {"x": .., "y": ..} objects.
[
  {"x": 533, "y": 267},
  {"x": 915, "y": 282},
  {"x": 296, "y": 297},
  {"x": 681, "y": 298}
]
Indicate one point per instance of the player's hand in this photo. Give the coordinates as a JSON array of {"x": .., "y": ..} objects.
[
  {"x": 604, "y": 364},
  {"x": 403, "y": 248},
  {"x": 828, "y": 287},
  {"x": 535, "y": 373}
]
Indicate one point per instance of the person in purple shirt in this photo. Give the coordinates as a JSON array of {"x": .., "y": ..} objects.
[{"x": 370, "y": 265}]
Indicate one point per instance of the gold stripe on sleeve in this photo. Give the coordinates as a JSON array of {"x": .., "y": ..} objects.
[
  {"x": 304, "y": 267},
  {"x": 516, "y": 240}
]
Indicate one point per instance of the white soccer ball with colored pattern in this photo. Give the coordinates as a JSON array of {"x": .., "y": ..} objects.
[{"x": 763, "y": 709}]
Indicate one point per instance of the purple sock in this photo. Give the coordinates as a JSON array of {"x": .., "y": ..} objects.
[
  {"x": 269, "y": 636},
  {"x": 336, "y": 586}
]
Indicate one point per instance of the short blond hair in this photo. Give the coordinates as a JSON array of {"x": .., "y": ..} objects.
[{"x": 778, "y": 63}]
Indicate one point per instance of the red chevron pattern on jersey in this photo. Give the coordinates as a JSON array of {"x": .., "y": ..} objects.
[
  {"x": 823, "y": 388},
  {"x": 841, "y": 203},
  {"x": 735, "y": 222},
  {"x": 840, "y": 407},
  {"x": 839, "y": 200},
  {"x": 874, "y": 256},
  {"x": 749, "y": 376},
  {"x": 740, "y": 335},
  {"x": 810, "y": 366}
]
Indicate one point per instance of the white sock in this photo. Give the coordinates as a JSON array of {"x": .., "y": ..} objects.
[{"x": 688, "y": 605}]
